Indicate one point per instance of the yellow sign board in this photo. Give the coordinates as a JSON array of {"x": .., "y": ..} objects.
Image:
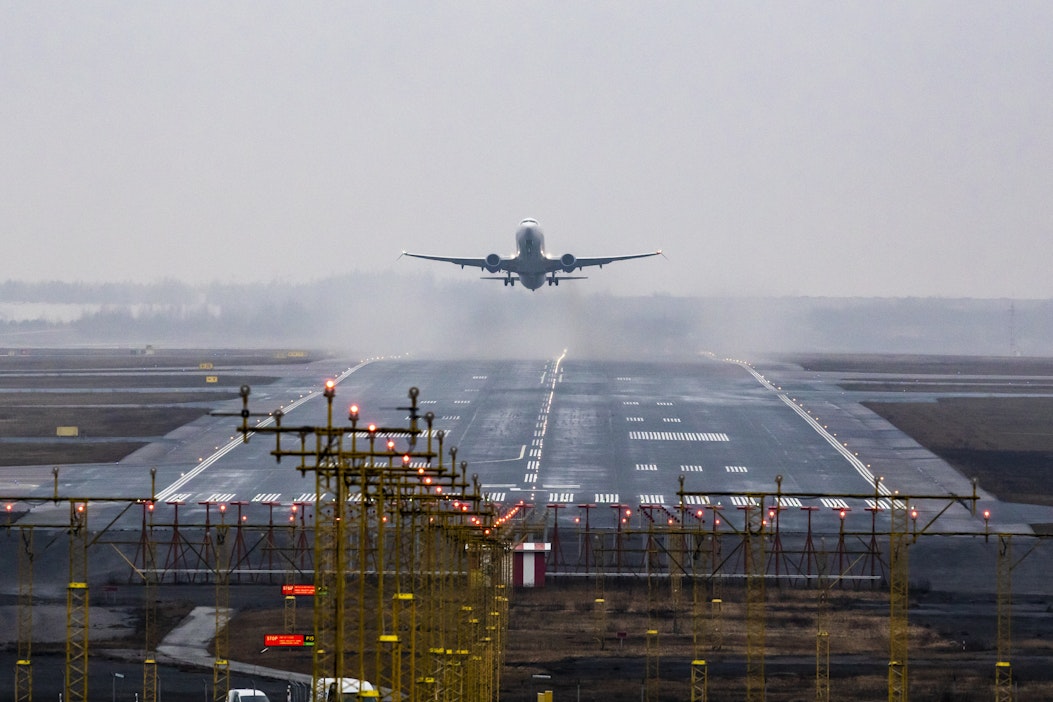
[
  {"x": 211, "y": 378},
  {"x": 67, "y": 431}
]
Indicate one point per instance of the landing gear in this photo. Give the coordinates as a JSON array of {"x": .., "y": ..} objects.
[
  {"x": 553, "y": 281},
  {"x": 510, "y": 281}
]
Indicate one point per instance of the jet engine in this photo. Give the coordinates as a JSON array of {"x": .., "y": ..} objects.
[
  {"x": 493, "y": 263},
  {"x": 568, "y": 262}
]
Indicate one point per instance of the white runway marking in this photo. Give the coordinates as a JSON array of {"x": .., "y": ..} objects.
[
  {"x": 204, "y": 465},
  {"x": 677, "y": 436}
]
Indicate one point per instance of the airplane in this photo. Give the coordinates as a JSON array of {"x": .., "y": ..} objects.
[{"x": 529, "y": 264}]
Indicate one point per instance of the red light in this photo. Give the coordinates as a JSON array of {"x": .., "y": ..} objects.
[
  {"x": 222, "y": 508},
  {"x": 149, "y": 506},
  {"x": 628, "y": 513},
  {"x": 842, "y": 514},
  {"x": 405, "y": 459},
  {"x": 372, "y": 428},
  {"x": 391, "y": 444},
  {"x": 987, "y": 513}
]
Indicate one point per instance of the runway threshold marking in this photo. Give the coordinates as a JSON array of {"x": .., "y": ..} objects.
[
  {"x": 859, "y": 466},
  {"x": 234, "y": 443}
]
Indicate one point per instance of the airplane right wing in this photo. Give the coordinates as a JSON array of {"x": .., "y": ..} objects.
[{"x": 604, "y": 260}]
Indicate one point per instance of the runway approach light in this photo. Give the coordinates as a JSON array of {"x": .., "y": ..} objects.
[{"x": 330, "y": 388}]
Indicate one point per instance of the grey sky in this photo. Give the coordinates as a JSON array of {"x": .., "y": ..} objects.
[{"x": 769, "y": 148}]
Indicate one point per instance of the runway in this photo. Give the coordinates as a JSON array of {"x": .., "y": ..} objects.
[{"x": 564, "y": 433}]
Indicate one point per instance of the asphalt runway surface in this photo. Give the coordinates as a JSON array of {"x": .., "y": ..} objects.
[{"x": 697, "y": 439}]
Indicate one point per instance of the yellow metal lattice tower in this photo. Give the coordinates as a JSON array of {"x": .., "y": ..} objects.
[
  {"x": 220, "y": 664},
  {"x": 651, "y": 665},
  {"x": 76, "y": 682},
  {"x": 822, "y": 646},
  {"x": 716, "y": 586},
  {"x": 1003, "y": 668},
  {"x": 150, "y": 692},
  {"x": 653, "y": 674},
  {"x": 753, "y": 545},
  {"x": 699, "y": 681},
  {"x": 899, "y": 572},
  {"x": 24, "y": 662}
]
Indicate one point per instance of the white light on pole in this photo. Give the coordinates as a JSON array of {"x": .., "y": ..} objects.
[{"x": 115, "y": 676}]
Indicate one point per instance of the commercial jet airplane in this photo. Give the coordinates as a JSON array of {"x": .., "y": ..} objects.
[{"x": 530, "y": 264}]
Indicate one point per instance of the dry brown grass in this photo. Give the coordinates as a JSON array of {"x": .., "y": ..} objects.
[{"x": 552, "y": 632}]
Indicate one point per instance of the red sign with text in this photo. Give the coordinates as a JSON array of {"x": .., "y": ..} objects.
[
  {"x": 297, "y": 640},
  {"x": 298, "y": 590}
]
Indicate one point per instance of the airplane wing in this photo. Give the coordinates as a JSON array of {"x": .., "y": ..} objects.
[
  {"x": 602, "y": 260},
  {"x": 462, "y": 262}
]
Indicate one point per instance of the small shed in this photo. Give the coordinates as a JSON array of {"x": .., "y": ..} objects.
[{"x": 528, "y": 564}]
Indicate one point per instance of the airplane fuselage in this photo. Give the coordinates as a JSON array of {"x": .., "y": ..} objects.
[{"x": 530, "y": 250}]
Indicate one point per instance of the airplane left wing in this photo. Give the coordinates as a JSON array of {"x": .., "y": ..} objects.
[{"x": 462, "y": 262}]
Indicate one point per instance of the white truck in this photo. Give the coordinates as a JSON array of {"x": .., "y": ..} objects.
[
  {"x": 326, "y": 689},
  {"x": 246, "y": 695}
]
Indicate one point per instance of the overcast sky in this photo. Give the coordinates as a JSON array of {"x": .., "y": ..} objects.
[{"x": 847, "y": 149}]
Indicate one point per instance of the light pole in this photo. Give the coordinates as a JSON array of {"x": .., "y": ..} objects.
[{"x": 115, "y": 676}]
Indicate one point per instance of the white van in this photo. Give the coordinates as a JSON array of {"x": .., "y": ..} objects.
[
  {"x": 326, "y": 689},
  {"x": 246, "y": 695}
]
